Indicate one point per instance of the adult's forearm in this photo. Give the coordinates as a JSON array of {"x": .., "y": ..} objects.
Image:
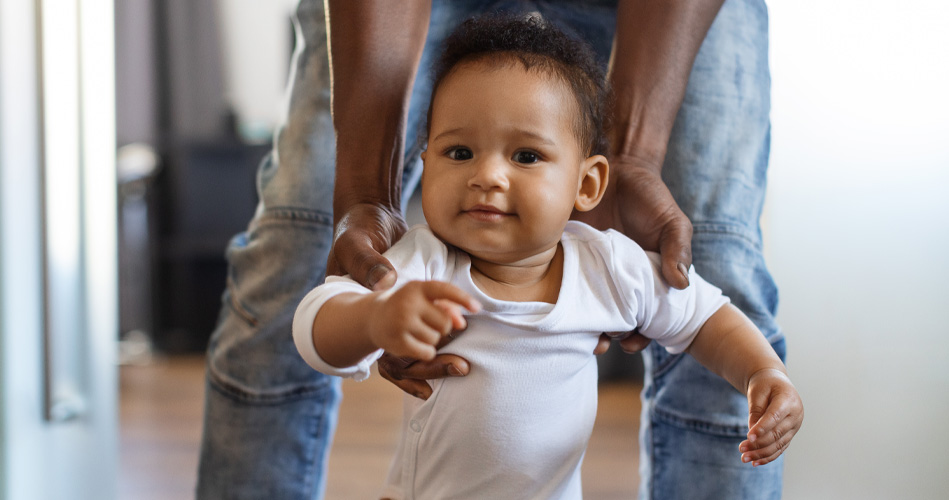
[
  {"x": 375, "y": 47},
  {"x": 655, "y": 47}
]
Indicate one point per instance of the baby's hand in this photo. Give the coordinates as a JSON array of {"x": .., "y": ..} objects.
[
  {"x": 413, "y": 319},
  {"x": 775, "y": 415}
]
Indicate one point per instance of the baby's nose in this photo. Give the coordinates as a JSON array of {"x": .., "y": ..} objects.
[{"x": 490, "y": 173}]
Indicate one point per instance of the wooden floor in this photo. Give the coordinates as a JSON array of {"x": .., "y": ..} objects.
[{"x": 161, "y": 404}]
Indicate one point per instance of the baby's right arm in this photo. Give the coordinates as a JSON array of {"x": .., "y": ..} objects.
[
  {"x": 731, "y": 345},
  {"x": 406, "y": 322}
]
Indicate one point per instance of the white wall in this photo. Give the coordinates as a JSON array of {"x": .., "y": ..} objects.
[
  {"x": 256, "y": 43},
  {"x": 858, "y": 240}
]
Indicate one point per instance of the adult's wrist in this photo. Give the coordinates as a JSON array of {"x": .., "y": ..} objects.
[
  {"x": 638, "y": 139},
  {"x": 635, "y": 161},
  {"x": 343, "y": 205},
  {"x": 656, "y": 44},
  {"x": 366, "y": 191},
  {"x": 368, "y": 178}
]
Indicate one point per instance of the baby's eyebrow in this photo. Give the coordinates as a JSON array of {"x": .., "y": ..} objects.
[
  {"x": 522, "y": 133},
  {"x": 537, "y": 137},
  {"x": 451, "y": 132}
]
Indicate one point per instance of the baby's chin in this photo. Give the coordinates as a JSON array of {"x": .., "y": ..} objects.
[
  {"x": 505, "y": 257},
  {"x": 459, "y": 245},
  {"x": 474, "y": 253}
]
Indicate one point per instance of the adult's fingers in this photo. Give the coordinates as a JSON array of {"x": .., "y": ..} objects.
[
  {"x": 675, "y": 251},
  {"x": 388, "y": 364},
  {"x": 363, "y": 231},
  {"x": 444, "y": 365},
  {"x": 635, "y": 342},
  {"x": 410, "y": 375},
  {"x": 602, "y": 344},
  {"x": 356, "y": 256},
  {"x": 651, "y": 217}
]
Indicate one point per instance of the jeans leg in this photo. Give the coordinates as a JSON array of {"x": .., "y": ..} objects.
[
  {"x": 269, "y": 418},
  {"x": 716, "y": 165}
]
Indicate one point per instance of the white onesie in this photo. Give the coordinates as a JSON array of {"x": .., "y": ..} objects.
[{"x": 518, "y": 424}]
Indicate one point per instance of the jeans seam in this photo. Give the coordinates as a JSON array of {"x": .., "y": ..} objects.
[
  {"x": 663, "y": 368},
  {"x": 315, "y": 466},
  {"x": 689, "y": 423},
  {"x": 271, "y": 217},
  {"x": 652, "y": 460},
  {"x": 225, "y": 388},
  {"x": 288, "y": 214},
  {"x": 237, "y": 306},
  {"x": 727, "y": 229}
]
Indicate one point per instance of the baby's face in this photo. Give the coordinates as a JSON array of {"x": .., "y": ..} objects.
[{"x": 502, "y": 168}]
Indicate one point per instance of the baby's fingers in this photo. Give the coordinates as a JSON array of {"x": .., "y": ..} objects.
[
  {"x": 783, "y": 408},
  {"x": 760, "y": 453},
  {"x": 411, "y": 346},
  {"x": 442, "y": 292},
  {"x": 773, "y": 422},
  {"x": 456, "y": 317}
]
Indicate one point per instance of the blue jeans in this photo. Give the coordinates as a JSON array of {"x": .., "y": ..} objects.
[{"x": 269, "y": 418}]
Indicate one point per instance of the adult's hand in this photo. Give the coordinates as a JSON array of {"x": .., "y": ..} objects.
[
  {"x": 411, "y": 375},
  {"x": 655, "y": 46},
  {"x": 638, "y": 204},
  {"x": 363, "y": 233}
]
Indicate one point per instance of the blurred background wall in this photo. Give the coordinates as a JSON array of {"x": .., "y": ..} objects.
[
  {"x": 858, "y": 239},
  {"x": 199, "y": 86}
]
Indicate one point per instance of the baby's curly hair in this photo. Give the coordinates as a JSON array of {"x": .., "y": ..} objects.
[{"x": 539, "y": 46}]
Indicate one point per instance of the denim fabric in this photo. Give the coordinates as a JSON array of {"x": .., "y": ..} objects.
[
  {"x": 269, "y": 418},
  {"x": 716, "y": 165}
]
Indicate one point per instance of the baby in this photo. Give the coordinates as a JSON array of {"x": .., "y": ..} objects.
[{"x": 516, "y": 142}]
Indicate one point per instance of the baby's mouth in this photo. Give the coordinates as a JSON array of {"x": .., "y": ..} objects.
[{"x": 486, "y": 213}]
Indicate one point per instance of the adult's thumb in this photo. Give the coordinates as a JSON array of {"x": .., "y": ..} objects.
[
  {"x": 357, "y": 257},
  {"x": 675, "y": 250}
]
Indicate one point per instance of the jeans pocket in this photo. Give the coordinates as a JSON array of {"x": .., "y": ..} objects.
[{"x": 232, "y": 295}]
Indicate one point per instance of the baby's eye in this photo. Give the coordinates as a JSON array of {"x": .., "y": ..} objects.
[
  {"x": 460, "y": 154},
  {"x": 526, "y": 157}
]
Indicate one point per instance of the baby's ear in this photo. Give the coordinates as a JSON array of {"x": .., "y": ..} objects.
[{"x": 594, "y": 177}]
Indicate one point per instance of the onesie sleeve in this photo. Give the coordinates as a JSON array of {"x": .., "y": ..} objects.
[
  {"x": 662, "y": 313},
  {"x": 417, "y": 256},
  {"x": 303, "y": 326}
]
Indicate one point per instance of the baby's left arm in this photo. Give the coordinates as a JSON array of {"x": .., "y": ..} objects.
[{"x": 731, "y": 345}]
